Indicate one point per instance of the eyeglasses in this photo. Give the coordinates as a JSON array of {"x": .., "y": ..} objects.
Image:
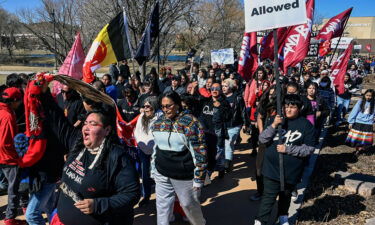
[
  {"x": 147, "y": 106},
  {"x": 92, "y": 124},
  {"x": 167, "y": 106},
  {"x": 215, "y": 89}
]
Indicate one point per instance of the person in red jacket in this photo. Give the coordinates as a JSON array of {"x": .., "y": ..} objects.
[{"x": 10, "y": 100}]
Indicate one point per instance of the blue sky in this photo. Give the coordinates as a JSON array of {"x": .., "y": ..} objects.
[{"x": 326, "y": 8}]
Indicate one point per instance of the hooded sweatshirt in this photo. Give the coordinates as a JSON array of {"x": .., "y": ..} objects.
[{"x": 8, "y": 127}]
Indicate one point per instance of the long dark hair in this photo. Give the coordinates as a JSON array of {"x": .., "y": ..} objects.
[
  {"x": 107, "y": 117},
  {"x": 372, "y": 101},
  {"x": 174, "y": 97}
]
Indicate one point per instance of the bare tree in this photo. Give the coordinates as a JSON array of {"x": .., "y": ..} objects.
[
  {"x": 59, "y": 14},
  {"x": 213, "y": 24},
  {"x": 9, "y": 25}
]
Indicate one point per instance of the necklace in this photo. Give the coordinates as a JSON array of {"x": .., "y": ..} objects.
[{"x": 95, "y": 151}]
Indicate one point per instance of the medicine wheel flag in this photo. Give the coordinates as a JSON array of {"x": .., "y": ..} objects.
[
  {"x": 297, "y": 42},
  {"x": 111, "y": 45}
]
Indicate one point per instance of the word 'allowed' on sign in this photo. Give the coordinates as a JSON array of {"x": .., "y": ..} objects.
[{"x": 264, "y": 15}]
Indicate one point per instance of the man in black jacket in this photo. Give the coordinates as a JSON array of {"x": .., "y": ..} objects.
[
  {"x": 71, "y": 103},
  {"x": 297, "y": 143}
]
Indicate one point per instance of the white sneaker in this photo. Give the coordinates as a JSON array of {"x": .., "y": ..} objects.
[
  {"x": 283, "y": 220},
  {"x": 257, "y": 222}
]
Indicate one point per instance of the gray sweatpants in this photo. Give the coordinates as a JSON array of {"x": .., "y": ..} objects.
[{"x": 165, "y": 195}]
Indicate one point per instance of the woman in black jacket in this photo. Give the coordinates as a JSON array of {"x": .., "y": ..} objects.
[{"x": 99, "y": 184}]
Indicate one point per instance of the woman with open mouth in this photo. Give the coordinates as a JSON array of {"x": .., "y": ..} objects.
[{"x": 99, "y": 184}]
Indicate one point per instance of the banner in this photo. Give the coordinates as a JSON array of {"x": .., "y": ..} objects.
[
  {"x": 223, "y": 56},
  {"x": 297, "y": 42},
  {"x": 313, "y": 50},
  {"x": 339, "y": 69},
  {"x": 344, "y": 42},
  {"x": 264, "y": 15},
  {"x": 248, "y": 62}
]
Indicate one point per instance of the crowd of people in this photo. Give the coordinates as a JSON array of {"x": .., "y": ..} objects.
[{"x": 187, "y": 123}]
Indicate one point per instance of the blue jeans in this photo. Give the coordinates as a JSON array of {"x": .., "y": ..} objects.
[
  {"x": 233, "y": 133},
  {"x": 39, "y": 202},
  {"x": 3, "y": 181},
  {"x": 342, "y": 107},
  {"x": 143, "y": 166}
]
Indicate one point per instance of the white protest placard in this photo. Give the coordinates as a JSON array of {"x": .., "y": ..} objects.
[
  {"x": 344, "y": 42},
  {"x": 223, "y": 56},
  {"x": 264, "y": 15},
  {"x": 357, "y": 47}
]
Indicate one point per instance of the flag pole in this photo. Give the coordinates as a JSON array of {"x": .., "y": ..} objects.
[
  {"x": 279, "y": 111},
  {"x": 159, "y": 52},
  {"x": 334, "y": 52},
  {"x": 157, "y": 2}
]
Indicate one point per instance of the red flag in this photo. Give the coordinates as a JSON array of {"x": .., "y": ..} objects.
[
  {"x": 248, "y": 62},
  {"x": 335, "y": 26},
  {"x": 297, "y": 42},
  {"x": 324, "y": 48},
  {"x": 368, "y": 47},
  {"x": 267, "y": 43},
  {"x": 73, "y": 63},
  {"x": 339, "y": 69}
]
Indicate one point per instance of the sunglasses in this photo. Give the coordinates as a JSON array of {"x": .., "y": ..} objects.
[
  {"x": 167, "y": 106},
  {"x": 215, "y": 89},
  {"x": 147, "y": 106}
]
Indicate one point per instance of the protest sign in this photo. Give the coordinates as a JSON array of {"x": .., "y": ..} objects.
[
  {"x": 223, "y": 56},
  {"x": 264, "y": 15}
]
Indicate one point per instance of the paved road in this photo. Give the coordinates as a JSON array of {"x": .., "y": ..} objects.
[{"x": 225, "y": 201}]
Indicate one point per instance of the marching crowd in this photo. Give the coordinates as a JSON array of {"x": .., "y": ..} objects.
[{"x": 186, "y": 126}]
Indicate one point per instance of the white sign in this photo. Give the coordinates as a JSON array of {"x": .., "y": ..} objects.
[
  {"x": 264, "y": 15},
  {"x": 344, "y": 42},
  {"x": 223, "y": 56}
]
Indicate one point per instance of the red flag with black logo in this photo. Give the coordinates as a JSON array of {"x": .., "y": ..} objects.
[
  {"x": 248, "y": 62},
  {"x": 339, "y": 69},
  {"x": 335, "y": 26},
  {"x": 297, "y": 41}
]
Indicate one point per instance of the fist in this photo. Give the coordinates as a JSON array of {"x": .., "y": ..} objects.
[
  {"x": 281, "y": 148},
  {"x": 86, "y": 206}
]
